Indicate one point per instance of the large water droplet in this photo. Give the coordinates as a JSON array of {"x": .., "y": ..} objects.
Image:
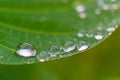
[
  {"x": 69, "y": 46},
  {"x": 26, "y": 50},
  {"x": 82, "y": 45},
  {"x": 43, "y": 56}
]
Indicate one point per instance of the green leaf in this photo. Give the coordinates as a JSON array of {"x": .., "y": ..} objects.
[{"x": 54, "y": 29}]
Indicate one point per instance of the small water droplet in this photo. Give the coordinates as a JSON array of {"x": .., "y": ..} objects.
[
  {"x": 105, "y": 7},
  {"x": 26, "y": 50},
  {"x": 99, "y": 36},
  {"x": 54, "y": 50},
  {"x": 114, "y": 6},
  {"x": 43, "y": 56},
  {"x": 80, "y": 34},
  {"x": 97, "y": 11},
  {"x": 80, "y": 8},
  {"x": 110, "y": 29},
  {"x": 1, "y": 57},
  {"x": 100, "y": 2},
  {"x": 68, "y": 46},
  {"x": 113, "y": 0},
  {"x": 99, "y": 28},
  {"x": 89, "y": 35},
  {"x": 82, "y": 45},
  {"x": 83, "y": 15},
  {"x": 42, "y": 19}
]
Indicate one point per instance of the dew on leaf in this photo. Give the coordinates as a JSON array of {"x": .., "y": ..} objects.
[
  {"x": 43, "y": 56},
  {"x": 110, "y": 29},
  {"x": 99, "y": 36},
  {"x": 80, "y": 8},
  {"x": 113, "y": 0},
  {"x": 100, "y": 28},
  {"x": 82, "y": 45},
  {"x": 68, "y": 46},
  {"x": 54, "y": 50},
  {"x": 26, "y": 50},
  {"x": 114, "y": 6},
  {"x": 105, "y": 7},
  {"x": 89, "y": 35},
  {"x": 1, "y": 57},
  {"x": 97, "y": 11},
  {"x": 83, "y": 15},
  {"x": 80, "y": 34}
]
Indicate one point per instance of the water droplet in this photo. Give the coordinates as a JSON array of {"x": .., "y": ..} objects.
[
  {"x": 113, "y": 0},
  {"x": 82, "y": 45},
  {"x": 68, "y": 46},
  {"x": 99, "y": 36},
  {"x": 97, "y": 11},
  {"x": 105, "y": 7},
  {"x": 43, "y": 19},
  {"x": 54, "y": 51},
  {"x": 114, "y": 6},
  {"x": 99, "y": 28},
  {"x": 26, "y": 50},
  {"x": 83, "y": 15},
  {"x": 80, "y": 34},
  {"x": 43, "y": 56},
  {"x": 89, "y": 35},
  {"x": 110, "y": 29},
  {"x": 80, "y": 8},
  {"x": 100, "y": 2},
  {"x": 1, "y": 57}
]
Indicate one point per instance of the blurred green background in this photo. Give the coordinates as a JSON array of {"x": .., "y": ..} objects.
[{"x": 99, "y": 63}]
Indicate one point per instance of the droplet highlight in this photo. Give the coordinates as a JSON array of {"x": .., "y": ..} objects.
[
  {"x": 54, "y": 51},
  {"x": 68, "y": 46},
  {"x": 80, "y": 34},
  {"x": 26, "y": 50},
  {"x": 99, "y": 36},
  {"x": 82, "y": 45},
  {"x": 43, "y": 56},
  {"x": 110, "y": 29},
  {"x": 80, "y": 8}
]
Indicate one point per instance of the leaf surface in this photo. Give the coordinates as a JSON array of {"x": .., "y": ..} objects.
[{"x": 56, "y": 28}]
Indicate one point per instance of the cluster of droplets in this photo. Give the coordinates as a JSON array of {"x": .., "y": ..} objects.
[
  {"x": 99, "y": 35},
  {"x": 55, "y": 51},
  {"x": 70, "y": 46},
  {"x": 27, "y": 50},
  {"x": 81, "y": 11},
  {"x": 102, "y": 5},
  {"x": 110, "y": 5},
  {"x": 103, "y": 28}
]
